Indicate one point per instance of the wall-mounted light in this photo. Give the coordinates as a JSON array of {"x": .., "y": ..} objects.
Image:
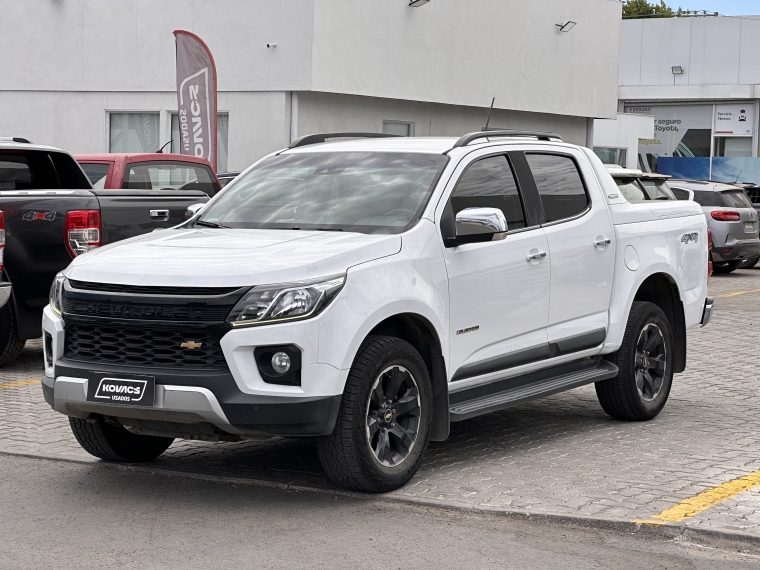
[
  {"x": 417, "y": 3},
  {"x": 567, "y": 26},
  {"x": 677, "y": 70}
]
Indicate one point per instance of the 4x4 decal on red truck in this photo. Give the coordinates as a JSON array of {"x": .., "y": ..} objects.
[{"x": 31, "y": 216}]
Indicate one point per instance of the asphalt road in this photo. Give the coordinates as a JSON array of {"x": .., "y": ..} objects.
[{"x": 57, "y": 514}]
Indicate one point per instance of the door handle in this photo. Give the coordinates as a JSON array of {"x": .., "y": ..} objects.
[
  {"x": 160, "y": 215},
  {"x": 601, "y": 242},
  {"x": 536, "y": 256}
]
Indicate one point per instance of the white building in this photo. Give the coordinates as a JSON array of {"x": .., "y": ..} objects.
[
  {"x": 700, "y": 79},
  {"x": 99, "y": 76}
]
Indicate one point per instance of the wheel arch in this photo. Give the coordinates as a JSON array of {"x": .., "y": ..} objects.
[
  {"x": 662, "y": 290},
  {"x": 421, "y": 334}
]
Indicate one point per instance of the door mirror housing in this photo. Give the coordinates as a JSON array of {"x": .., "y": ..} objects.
[
  {"x": 193, "y": 210},
  {"x": 481, "y": 222}
]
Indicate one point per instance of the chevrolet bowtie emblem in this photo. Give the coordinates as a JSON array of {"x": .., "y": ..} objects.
[{"x": 191, "y": 344}]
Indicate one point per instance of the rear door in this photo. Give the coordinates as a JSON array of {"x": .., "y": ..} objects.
[
  {"x": 581, "y": 248},
  {"x": 129, "y": 213}
]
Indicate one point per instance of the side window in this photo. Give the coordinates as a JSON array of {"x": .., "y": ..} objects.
[
  {"x": 680, "y": 194},
  {"x": 490, "y": 183},
  {"x": 559, "y": 184}
]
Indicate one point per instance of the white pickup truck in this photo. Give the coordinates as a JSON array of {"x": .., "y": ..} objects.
[{"x": 369, "y": 292}]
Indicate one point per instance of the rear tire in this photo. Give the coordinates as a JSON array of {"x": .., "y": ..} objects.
[
  {"x": 749, "y": 263},
  {"x": 645, "y": 362},
  {"x": 10, "y": 343},
  {"x": 384, "y": 419},
  {"x": 115, "y": 443},
  {"x": 725, "y": 266}
]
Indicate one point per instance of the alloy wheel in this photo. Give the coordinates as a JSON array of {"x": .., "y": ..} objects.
[
  {"x": 651, "y": 362},
  {"x": 393, "y": 415}
]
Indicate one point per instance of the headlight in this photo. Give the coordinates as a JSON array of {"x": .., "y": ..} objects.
[
  {"x": 55, "y": 292},
  {"x": 287, "y": 302}
]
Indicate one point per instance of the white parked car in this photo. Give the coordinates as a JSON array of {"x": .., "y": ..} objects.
[{"x": 369, "y": 292}]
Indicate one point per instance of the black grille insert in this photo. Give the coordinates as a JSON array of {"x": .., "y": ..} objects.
[
  {"x": 149, "y": 290},
  {"x": 147, "y": 311},
  {"x": 143, "y": 346}
]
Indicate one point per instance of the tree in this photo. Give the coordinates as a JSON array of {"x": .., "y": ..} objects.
[{"x": 643, "y": 9}]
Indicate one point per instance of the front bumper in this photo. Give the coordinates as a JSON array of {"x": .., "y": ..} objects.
[
  {"x": 195, "y": 397},
  {"x": 740, "y": 250}
]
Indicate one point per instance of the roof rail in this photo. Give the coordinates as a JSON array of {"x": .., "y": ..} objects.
[
  {"x": 15, "y": 139},
  {"x": 467, "y": 139},
  {"x": 322, "y": 137}
]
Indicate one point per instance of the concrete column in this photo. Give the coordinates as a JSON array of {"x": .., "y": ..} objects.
[{"x": 590, "y": 133}]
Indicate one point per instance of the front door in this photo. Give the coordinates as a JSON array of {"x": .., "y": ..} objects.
[
  {"x": 581, "y": 250},
  {"x": 499, "y": 300}
]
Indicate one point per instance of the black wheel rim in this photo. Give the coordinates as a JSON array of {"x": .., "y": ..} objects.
[
  {"x": 651, "y": 362},
  {"x": 393, "y": 416}
]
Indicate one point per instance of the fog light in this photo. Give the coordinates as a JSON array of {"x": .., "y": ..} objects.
[{"x": 281, "y": 362}]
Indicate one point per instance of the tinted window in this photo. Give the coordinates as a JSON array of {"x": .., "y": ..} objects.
[
  {"x": 680, "y": 194},
  {"x": 26, "y": 170},
  {"x": 630, "y": 189},
  {"x": 559, "y": 184},
  {"x": 96, "y": 173},
  {"x": 734, "y": 199},
  {"x": 169, "y": 176},
  {"x": 69, "y": 172},
  {"x": 489, "y": 183},
  {"x": 658, "y": 190},
  {"x": 366, "y": 192},
  {"x": 705, "y": 198}
]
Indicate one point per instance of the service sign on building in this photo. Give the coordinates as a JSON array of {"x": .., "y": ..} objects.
[{"x": 736, "y": 120}]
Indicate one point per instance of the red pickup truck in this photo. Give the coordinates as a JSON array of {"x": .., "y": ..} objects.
[{"x": 149, "y": 171}]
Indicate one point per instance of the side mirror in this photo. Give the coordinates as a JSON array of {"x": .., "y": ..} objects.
[
  {"x": 193, "y": 210},
  {"x": 480, "y": 224}
]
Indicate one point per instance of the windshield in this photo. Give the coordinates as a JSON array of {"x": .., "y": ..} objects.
[
  {"x": 658, "y": 190},
  {"x": 366, "y": 192}
]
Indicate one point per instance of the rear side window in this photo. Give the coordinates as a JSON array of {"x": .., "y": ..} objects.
[
  {"x": 559, "y": 184},
  {"x": 680, "y": 194},
  {"x": 169, "y": 176},
  {"x": 630, "y": 189},
  {"x": 96, "y": 172},
  {"x": 69, "y": 172},
  {"x": 658, "y": 190},
  {"x": 490, "y": 183},
  {"x": 26, "y": 170},
  {"x": 705, "y": 198},
  {"x": 735, "y": 199}
]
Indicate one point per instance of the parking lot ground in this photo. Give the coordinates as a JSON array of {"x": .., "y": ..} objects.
[{"x": 561, "y": 457}]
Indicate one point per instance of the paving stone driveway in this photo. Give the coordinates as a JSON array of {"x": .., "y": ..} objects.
[{"x": 559, "y": 456}]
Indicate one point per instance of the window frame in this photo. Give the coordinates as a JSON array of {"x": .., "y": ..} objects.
[
  {"x": 410, "y": 124},
  {"x": 515, "y": 176},
  {"x": 540, "y": 205}
]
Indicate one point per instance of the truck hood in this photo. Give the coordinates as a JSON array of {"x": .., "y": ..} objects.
[{"x": 209, "y": 257}]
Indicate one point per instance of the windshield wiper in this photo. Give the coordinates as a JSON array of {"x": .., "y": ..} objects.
[
  {"x": 324, "y": 230},
  {"x": 208, "y": 224}
]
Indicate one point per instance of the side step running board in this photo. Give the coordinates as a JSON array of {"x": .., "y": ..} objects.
[{"x": 499, "y": 395}]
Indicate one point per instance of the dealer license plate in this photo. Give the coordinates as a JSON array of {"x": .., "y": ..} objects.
[
  {"x": 749, "y": 226},
  {"x": 134, "y": 390}
]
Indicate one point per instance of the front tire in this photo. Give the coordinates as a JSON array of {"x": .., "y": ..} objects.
[
  {"x": 384, "y": 420},
  {"x": 10, "y": 343},
  {"x": 645, "y": 362},
  {"x": 115, "y": 443},
  {"x": 725, "y": 266}
]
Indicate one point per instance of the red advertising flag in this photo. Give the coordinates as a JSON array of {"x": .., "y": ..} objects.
[{"x": 196, "y": 97}]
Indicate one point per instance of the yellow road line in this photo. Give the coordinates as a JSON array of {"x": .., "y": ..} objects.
[
  {"x": 736, "y": 293},
  {"x": 20, "y": 383},
  {"x": 704, "y": 500}
]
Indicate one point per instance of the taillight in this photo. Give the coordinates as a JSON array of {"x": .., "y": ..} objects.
[
  {"x": 709, "y": 253},
  {"x": 2, "y": 238},
  {"x": 82, "y": 231},
  {"x": 725, "y": 215}
]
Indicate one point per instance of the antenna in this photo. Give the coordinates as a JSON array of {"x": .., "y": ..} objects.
[
  {"x": 488, "y": 120},
  {"x": 161, "y": 150},
  {"x": 738, "y": 175}
]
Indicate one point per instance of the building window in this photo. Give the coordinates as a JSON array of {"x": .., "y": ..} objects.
[
  {"x": 133, "y": 132},
  {"x": 609, "y": 155},
  {"x": 737, "y": 147},
  {"x": 401, "y": 128},
  {"x": 222, "y": 132}
]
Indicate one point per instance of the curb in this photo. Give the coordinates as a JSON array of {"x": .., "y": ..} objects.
[{"x": 705, "y": 537}]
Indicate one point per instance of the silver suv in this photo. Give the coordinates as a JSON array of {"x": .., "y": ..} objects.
[{"x": 731, "y": 218}]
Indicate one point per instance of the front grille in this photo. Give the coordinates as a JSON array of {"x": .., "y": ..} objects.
[
  {"x": 150, "y": 290},
  {"x": 143, "y": 346},
  {"x": 147, "y": 311}
]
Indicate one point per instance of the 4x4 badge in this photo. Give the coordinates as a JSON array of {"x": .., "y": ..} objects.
[
  {"x": 31, "y": 216},
  {"x": 191, "y": 344}
]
